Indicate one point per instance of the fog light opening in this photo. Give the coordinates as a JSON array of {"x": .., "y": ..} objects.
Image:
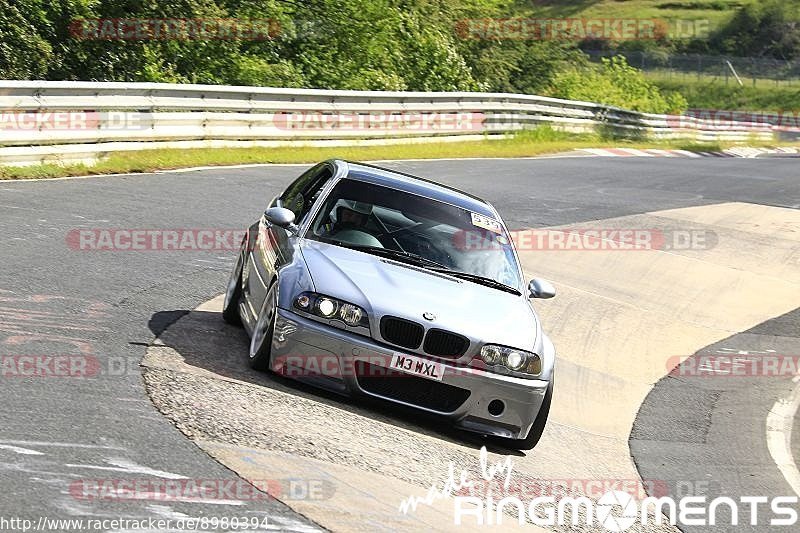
[{"x": 496, "y": 407}]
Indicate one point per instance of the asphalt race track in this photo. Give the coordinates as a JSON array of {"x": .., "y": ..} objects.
[{"x": 621, "y": 321}]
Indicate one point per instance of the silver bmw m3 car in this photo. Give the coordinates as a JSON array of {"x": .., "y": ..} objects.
[{"x": 367, "y": 281}]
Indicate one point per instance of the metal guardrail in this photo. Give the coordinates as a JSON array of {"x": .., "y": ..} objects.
[{"x": 131, "y": 116}]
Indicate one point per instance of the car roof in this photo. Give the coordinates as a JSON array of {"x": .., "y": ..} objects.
[{"x": 416, "y": 185}]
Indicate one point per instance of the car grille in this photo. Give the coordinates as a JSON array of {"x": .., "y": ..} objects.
[
  {"x": 402, "y": 332},
  {"x": 410, "y": 389},
  {"x": 445, "y": 344}
]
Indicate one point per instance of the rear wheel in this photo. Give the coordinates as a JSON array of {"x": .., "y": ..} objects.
[
  {"x": 261, "y": 341},
  {"x": 233, "y": 293},
  {"x": 529, "y": 442}
]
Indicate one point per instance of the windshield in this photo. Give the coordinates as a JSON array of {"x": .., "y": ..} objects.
[{"x": 389, "y": 222}]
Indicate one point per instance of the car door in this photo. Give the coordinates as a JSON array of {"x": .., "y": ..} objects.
[{"x": 274, "y": 246}]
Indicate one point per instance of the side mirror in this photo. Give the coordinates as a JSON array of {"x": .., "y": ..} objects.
[
  {"x": 541, "y": 288},
  {"x": 279, "y": 216}
]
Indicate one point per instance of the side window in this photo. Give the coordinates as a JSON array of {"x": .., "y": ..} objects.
[
  {"x": 314, "y": 189},
  {"x": 300, "y": 195},
  {"x": 292, "y": 197}
]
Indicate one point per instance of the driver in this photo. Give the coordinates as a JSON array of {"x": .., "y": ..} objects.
[{"x": 348, "y": 215}]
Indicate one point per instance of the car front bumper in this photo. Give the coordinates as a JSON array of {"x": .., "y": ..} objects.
[{"x": 348, "y": 363}]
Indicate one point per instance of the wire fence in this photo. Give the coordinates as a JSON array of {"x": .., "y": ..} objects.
[{"x": 686, "y": 68}]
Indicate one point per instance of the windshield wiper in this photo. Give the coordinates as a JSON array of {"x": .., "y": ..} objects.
[
  {"x": 483, "y": 280},
  {"x": 396, "y": 254},
  {"x": 430, "y": 264}
]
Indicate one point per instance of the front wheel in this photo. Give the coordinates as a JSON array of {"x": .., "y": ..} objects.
[
  {"x": 233, "y": 293},
  {"x": 529, "y": 442},
  {"x": 261, "y": 341}
]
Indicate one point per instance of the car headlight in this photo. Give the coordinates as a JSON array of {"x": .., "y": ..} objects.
[
  {"x": 512, "y": 359},
  {"x": 331, "y": 308}
]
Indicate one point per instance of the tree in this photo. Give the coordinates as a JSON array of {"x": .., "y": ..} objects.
[
  {"x": 24, "y": 53},
  {"x": 770, "y": 28}
]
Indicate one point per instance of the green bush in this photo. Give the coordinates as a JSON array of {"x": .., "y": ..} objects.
[{"x": 615, "y": 83}]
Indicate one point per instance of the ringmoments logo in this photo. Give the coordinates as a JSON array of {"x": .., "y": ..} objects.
[{"x": 614, "y": 510}]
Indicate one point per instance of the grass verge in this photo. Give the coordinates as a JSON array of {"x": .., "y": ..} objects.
[
  {"x": 712, "y": 94},
  {"x": 535, "y": 142},
  {"x": 715, "y": 12}
]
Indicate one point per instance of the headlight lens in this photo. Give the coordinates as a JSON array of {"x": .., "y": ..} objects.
[
  {"x": 326, "y": 307},
  {"x": 303, "y": 301},
  {"x": 331, "y": 308},
  {"x": 512, "y": 359},
  {"x": 534, "y": 365},
  {"x": 351, "y": 314},
  {"x": 490, "y": 354}
]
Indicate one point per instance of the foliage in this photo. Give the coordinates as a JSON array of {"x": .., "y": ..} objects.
[
  {"x": 765, "y": 97},
  {"x": 615, "y": 83},
  {"x": 24, "y": 52},
  {"x": 769, "y": 28},
  {"x": 330, "y": 44}
]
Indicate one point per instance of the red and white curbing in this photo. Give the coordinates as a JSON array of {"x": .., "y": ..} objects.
[{"x": 743, "y": 151}]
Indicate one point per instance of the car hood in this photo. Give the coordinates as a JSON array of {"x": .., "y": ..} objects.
[{"x": 386, "y": 287}]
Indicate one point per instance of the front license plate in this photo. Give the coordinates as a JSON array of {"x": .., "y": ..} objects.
[{"x": 418, "y": 366}]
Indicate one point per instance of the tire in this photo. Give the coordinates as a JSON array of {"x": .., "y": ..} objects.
[
  {"x": 233, "y": 293},
  {"x": 261, "y": 340},
  {"x": 529, "y": 442}
]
